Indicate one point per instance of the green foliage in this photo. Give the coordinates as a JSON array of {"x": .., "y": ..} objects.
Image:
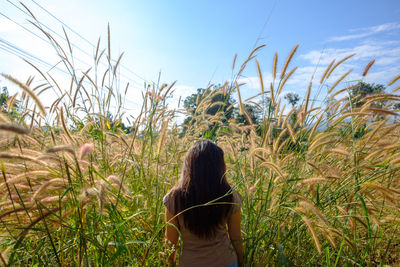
[
  {"x": 292, "y": 98},
  {"x": 363, "y": 89}
]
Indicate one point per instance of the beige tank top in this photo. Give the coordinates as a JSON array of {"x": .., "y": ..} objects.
[{"x": 196, "y": 251}]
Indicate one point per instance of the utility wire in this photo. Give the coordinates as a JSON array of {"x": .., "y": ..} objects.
[
  {"x": 47, "y": 41},
  {"x": 83, "y": 38}
]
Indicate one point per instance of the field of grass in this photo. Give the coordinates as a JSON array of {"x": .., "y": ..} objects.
[{"x": 76, "y": 189}]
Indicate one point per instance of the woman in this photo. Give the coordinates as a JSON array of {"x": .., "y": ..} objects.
[{"x": 205, "y": 210}]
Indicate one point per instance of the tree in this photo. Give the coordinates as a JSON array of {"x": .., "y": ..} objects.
[
  {"x": 219, "y": 101},
  {"x": 4, "y": 96},
  {"x": 363, "y": 89},
  {"x": 292, "y": 98},
  {"x": 253, "y": 112}
]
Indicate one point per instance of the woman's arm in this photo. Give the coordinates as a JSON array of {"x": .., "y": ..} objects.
[
  {"x": 171, "y": 234},
  {"x": 235, "y": 235}
]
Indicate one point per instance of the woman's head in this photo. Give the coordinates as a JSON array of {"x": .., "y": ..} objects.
[
  {"x": 204, "y": 167},
  {"x": 203, "y": 180}
]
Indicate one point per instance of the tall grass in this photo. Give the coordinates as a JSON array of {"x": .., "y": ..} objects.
[{"x": 317, "y": 190}]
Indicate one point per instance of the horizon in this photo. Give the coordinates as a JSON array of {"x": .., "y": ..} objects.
[{"x": 163, "y": 43}]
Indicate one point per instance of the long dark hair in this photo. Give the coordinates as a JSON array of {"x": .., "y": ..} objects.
[{"x": 203, "y": 180}]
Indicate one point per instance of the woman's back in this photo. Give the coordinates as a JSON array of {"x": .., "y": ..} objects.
[
  {"x": 197, "y": 251},
  {"x": 205, "y": 210}
]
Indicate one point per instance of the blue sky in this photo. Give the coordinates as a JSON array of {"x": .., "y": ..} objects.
[{"x": 194, "y": 42}]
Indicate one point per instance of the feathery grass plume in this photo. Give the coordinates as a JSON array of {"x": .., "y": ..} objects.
[
  {"x": 275, "y": 62},
  {"x": 61, "y": 148},
  {"x": 3, "y": 261},
  {"x": 346, "y": 89},
  {"x": 239, "y": 98},
  {"x": 4, "y": 118},
  {"x": 116, "y": 64},
  {"x": 32, "y": 175},
  {"x": 284, "y": 80},
  {"x": 85, "y": 74},
  {"x": 315, "y": 146},
  {"x": 382, "y": 111},
  {"x": 288, "y": 61},
  {"x": 5, "y": 155},
  {"x": 308, "y": 205},
  {"x": 161, "y": 139},
  {"x": 260, "y": 76},
  {"x": 394, "y": 80},
  {"x": 280, "y": 115},
  {"x": 337, "y": 64},
  {"x": 55, "y": 181},
  {"x": 369, "y": 65},
  {"x": 234, "y": 61},
  {"x": 350, "y": 219},
  {"x": 329, "y": 236},
  {"x": 313, "y": 234},
  {"x": 338, "y": 81},
  {"x": 27, "y": 90},
  {"x": 274, "y": 167},
  {"x": 339, "y": 151},
  {"x": 250, "y": 57},
  {"x": 277, "y": 108},
  {"x": 291, "y": 132},
  {"x": 349, "y": 114},
  {"x": 307, "y": 100},
  {"x": 271, "y": 91},
  {"x": 64, "y": 125},
  {"x": 276, "y": 141},
  {"x": 288, "y": 115},
  {"x": 317, "y": 180},
  {"x": 326, "y": 71},
  {"x": 9, "y": 127}
]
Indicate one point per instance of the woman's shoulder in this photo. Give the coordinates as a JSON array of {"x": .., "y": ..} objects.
[
  {"x": 236, "y": 198},
  {"x": 169, "y": 201},
  {"x": 236, "y": 202}
]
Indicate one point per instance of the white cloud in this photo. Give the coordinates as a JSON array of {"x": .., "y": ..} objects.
[{"x": 364, "y": 32}]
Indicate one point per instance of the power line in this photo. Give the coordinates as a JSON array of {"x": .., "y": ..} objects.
[
  {"x": 47, "y": 41},
  {"x": 83, "y": 38}
]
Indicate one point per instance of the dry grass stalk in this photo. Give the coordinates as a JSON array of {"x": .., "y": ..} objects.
[
  {"x": 27, "y": 90},
  {"x": 284, "y": 80},
  {"x": 394, "y": 80},
  {"x": 338, "y": 81},
  {"x": 291, "y": 132},
  {"x": 326, "y": 71},
  {"x": 308, "y": 205},
  {"x": 271, "y": 91},
  {"x": 314, "y": 128},
  {"x": 337, "y": 64},
  {"x": 234, "y": 61},
  {"x": 61, "y": 148},
  {"x": 369, "y": 65},
  {"x": 274, "y": 66},
  {"x": 350, "y": 114},
  {"x": 52, "y": 182},
  {"x": 13, "y": 128},
  {"x": 161, "y": 139},
  {"x": 307, "y": 100},
  {"x": 64, "y": 125},
  {"x": 288, "y": 61},
  {"x": 313, "y": 234},
  {"x": 5, "y": 155},
  {"x": 329, "y": 236},
  {"x": 317, "y": 180},
  {"x": 273, "y": 167},
  {"x": 260, "y": 76}
]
